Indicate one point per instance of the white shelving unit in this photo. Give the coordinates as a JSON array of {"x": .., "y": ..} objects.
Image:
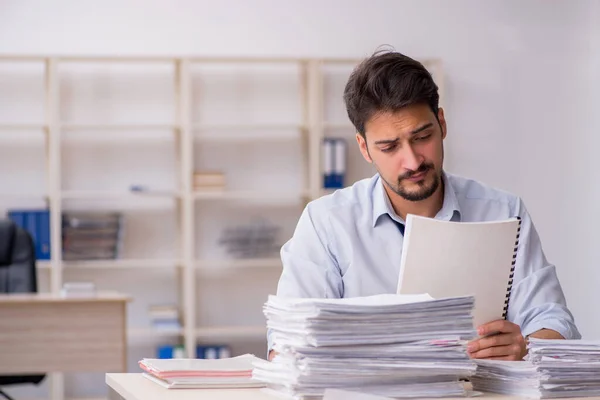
[{"x": 318, "y": 84}]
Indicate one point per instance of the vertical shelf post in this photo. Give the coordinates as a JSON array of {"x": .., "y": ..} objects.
[
  {"x": 315, "y": 126},
  {"x": 186, "y": 163},
  {"x": 57, "y": 381}
]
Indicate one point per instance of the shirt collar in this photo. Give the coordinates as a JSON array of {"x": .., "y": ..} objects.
[{"x": 381, "y": 203}]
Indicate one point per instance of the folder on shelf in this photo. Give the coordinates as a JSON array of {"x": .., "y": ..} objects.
[
  {"x": 208, "y": 180},
  {"x": 37, "y": 223},
  {"x": 334, "y": 163}
]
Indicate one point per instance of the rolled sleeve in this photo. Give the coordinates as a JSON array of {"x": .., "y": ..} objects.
[
  {"x": 568, "y": 331},
  {"x": 537, "y": 300}
]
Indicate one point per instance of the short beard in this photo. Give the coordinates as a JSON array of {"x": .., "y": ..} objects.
[{"x": 424, "y": 191}]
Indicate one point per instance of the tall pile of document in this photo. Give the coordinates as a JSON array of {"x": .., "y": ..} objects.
[
  {"x": 390, "y": 345},
  {"x": 553, "y": 369}
]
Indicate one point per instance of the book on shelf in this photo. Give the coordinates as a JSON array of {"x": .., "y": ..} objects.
[
  {"x": 165, "y": 318},
  {"x": 78, "y": 289},
  {"x": 208, "y": 181}
]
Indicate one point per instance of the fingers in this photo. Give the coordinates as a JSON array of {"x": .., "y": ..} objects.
[
  {"x": 491, "y": 341},
  {"x": 500, "y": 325},
  {"x": 272, "y": 355},
  {"x": 511, "y": 352},
  {"x": 511, "y": 346}
]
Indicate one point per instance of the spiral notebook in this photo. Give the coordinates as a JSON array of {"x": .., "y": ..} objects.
[{"x": 445, "y": 259}]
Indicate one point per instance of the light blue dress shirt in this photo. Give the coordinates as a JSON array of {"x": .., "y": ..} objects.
[{"x": 346, "y": 244}]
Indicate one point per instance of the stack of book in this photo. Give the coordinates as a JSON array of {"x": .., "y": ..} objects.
[
  {"x": 208, "y": 181},
  {"x": 91, "y": 235},
  {"x": 165, "y": 318},
  {"x": 78, "y": 289}
]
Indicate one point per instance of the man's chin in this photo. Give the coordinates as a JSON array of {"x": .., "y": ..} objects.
[{"x": 416, "y": 194}]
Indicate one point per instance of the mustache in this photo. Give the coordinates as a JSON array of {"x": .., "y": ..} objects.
[{"x": 409, "y": 174}]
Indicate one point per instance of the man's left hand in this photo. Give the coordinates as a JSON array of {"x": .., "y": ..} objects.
[{"x": 504, "y": 342}]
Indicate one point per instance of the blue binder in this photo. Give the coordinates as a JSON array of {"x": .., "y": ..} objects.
[
  {"x": 37, "y": 224},
  {"x": 334, "y": 163}
]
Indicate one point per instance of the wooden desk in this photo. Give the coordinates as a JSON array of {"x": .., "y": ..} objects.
[
  {"x": 136, "y": 387},
  {"x": 43, "y": 333}
]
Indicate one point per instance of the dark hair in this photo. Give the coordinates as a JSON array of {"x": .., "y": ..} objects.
[{"x": 387, "y": 81}]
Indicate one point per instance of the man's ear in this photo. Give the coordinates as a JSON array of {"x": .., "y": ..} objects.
[
  {"x": 442, "y": 121},
  {"x": 362, "y": 145}
]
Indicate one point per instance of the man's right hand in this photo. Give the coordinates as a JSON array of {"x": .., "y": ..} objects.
[{"x": 272, "y": 355}]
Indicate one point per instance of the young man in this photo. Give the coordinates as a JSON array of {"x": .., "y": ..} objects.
[{"x": 349, "y": 243}]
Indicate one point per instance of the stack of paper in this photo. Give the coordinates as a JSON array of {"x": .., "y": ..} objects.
[
  {"x": 389, "y": 345},
  {"x": 235, "y": 372},
  {"x": 553, "y": 369}
]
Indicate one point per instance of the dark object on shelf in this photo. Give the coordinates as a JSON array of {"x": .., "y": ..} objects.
[
  {"x": 254, "y": 240},
  {"x": 91, "y": 236}
]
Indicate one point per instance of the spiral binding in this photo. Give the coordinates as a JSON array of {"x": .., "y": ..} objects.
[{"x": 512, "y": 271}]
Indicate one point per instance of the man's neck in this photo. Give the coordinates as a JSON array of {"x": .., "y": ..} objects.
[{"x": 425, "y": 208}]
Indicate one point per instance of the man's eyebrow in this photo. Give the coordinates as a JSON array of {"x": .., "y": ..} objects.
[
  {"x": 387, "y": 141},
  {"x": 414, "y": 132},
  {"x": 426, "y": 126}
]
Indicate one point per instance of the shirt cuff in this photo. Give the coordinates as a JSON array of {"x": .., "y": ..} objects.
[{"x": 565, "y": 329}]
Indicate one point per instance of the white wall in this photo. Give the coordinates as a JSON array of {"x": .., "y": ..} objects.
[
  {"x": 521, "y": 79},
  {"x": 579, "y": 199}
]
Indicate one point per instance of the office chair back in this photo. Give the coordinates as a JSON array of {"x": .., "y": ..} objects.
[{"x": 17, "y": 275}]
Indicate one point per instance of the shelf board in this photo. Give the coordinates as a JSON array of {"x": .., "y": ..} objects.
[
  {"x": 43, "y": 264},
  {"x": 117, "y": 127},
  {"x": 254, "y": 137},
  {"x": 250, "y": 132},
  {"x": 82, "y": 200},
  {"x": 241, "y": 263},
  {"x": 117, "y": 195},
  {"x": 23, "y": 134},
  {"x": 19, "y": 127},
  {"x": 122, "y": 264},
  {"x": 232, "y": 332},
  {"x": 247, "y": 127},
  {"x": 21, "y": 196},
  {"x": 149, "y": 333},
  {"x": 268, "y": 197}
]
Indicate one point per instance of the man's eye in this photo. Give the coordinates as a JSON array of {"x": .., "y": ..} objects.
[
  {"x": 388, "y": 149},
  {"x": 424, "y": 137}
]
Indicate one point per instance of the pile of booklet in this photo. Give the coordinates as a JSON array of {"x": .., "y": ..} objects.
[
  {"x": 234, "y": 372},
  {"x": 388, "y": 345},
  {"x": 552, "y": 369}
]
